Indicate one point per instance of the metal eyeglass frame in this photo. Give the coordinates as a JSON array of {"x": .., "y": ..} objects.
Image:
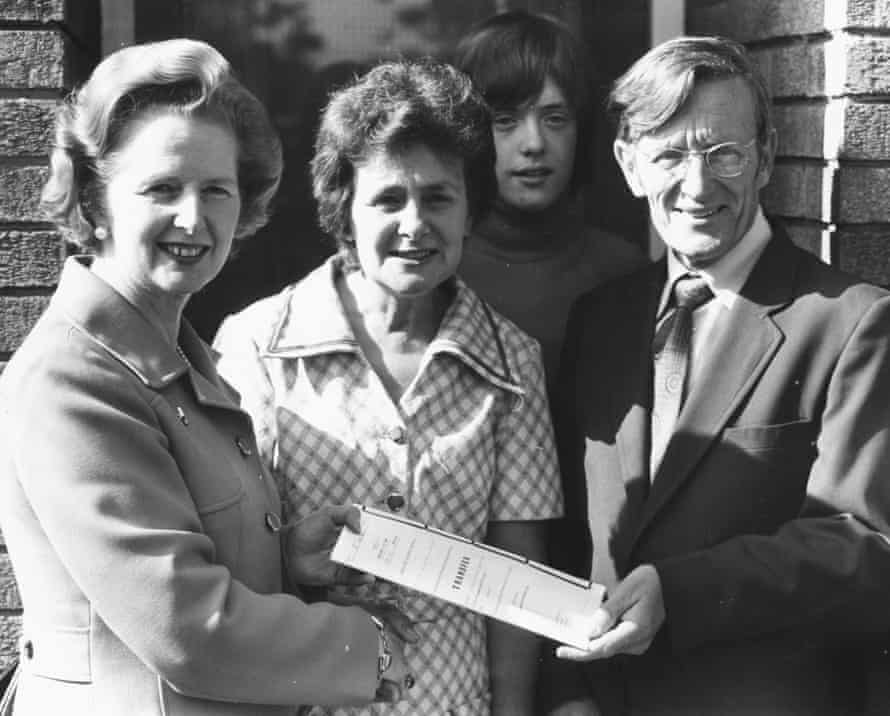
[{"x": 683, "y": 165}]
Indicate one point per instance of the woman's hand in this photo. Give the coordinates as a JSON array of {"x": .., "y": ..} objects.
[
  {"x": 398, "y": 629},
  {"x": 307, "y": 546}
]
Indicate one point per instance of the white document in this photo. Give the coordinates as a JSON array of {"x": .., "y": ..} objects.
[{"x": 484, "y": 579}]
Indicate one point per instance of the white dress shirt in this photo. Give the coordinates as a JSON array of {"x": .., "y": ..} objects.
[{"x": 725, "y": 278}]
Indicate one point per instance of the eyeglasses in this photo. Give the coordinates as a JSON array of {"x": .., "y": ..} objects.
[{"x": 726, "y": 160}]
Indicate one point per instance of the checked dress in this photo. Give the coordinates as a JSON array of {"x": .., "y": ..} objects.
[{"x": 469, "y": 442}]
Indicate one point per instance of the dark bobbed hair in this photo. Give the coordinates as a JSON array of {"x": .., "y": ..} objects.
[
  {"x": 182, "y": 76},
  {"x": 394, "y": 106},
  {"x": 659, "y": 85},
  {"x": 511, "y": 55}
]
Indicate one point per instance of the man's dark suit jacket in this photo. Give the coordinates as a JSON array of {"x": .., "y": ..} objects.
[{"x": 768, "y": 515}]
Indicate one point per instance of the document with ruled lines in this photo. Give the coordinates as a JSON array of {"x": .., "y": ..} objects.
[{"x": 476, "y": 576}]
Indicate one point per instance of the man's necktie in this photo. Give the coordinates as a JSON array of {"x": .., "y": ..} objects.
[{"x": 671, "y": 353}]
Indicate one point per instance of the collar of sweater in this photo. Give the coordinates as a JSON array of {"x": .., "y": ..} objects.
[{"x": 517, "y": 235}]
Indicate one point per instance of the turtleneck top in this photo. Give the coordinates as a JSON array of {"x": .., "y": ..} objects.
[{"x": 531, "y": 266}]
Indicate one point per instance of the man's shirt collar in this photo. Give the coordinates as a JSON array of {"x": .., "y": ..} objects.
[{"x": 727, "y": 276}]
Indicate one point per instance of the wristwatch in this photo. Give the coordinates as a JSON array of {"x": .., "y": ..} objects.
[{"x": 384, "y": 654}]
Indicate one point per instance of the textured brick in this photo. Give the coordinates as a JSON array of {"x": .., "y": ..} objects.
[
  {"x": 866, "y": 131},
  {"x": 806, "y": 236},
  {"x": 868, "y": 13},
  {"x": 32, "y": 10},
  {"x": 20, "y": 193},
  {"x": 17, "y": 316},
  {"x": 29, "y": 258},
  {"x": 10, "y": 629},
  {"x": 800, "y": 129},
  {"x": 865, "y": 253},
  {"x": 793, "y": 70},
  {"x": 81, "y": 18},
  {"x": 32, "y": 59},
  {"x": 9, "y": 593},
  {"x": 867, "y": 62},
  {"x": 862, "y": 194},
  {"x": 26, "y": 126},
  {"x": 795, "y": 190},
  {"x": 747, "y": 20}
]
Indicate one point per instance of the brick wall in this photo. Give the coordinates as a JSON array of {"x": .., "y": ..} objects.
[
  {"x": 828, "y": 65},
  {"x": 45, "y": 46}
]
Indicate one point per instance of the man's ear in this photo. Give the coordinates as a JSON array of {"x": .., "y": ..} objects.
[
  {"x": 766, "y": 158},
  {"x": 626, "y": 158}
]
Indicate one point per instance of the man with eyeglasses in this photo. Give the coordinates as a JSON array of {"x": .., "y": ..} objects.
[{"x": 724, "y": 417}]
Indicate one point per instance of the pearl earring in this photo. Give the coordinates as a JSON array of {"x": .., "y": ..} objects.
[{"x": 101, "y": 233}]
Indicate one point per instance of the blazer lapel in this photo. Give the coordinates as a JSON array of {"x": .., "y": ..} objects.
[{"x": 746, "y": 342}]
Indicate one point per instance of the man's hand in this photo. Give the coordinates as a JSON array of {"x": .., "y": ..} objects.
[
  {"x": 308, "y": 543},
  {"x": 628, "y": 620}
]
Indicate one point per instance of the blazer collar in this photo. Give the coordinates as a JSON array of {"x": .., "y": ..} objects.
[
  {"x": 313, "y": 323},
  {"x": 118, "y": 326}
]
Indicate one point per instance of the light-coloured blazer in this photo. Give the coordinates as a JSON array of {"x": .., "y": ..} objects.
[
  {"x": 136, "y": 514},
  {"x": 768, "y": 519}
]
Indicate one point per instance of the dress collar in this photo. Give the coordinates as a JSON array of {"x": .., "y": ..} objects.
[
  {"x": 727, "y": 276},
  {"x": 314, "y": 323},
  {"x": 118, "y": 326}
]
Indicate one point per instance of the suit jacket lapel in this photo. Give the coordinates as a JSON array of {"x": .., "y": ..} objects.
[{"x": 743, "y": 347}]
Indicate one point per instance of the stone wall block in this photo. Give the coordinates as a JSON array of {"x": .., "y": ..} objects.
[
  {"x": 793, "y": 70},
  {"x": 865, "y": 253},
  {"x": 867, "y": 61},
  {"x": 9, "y": 593},
  {"x": 30, "y": 258},
  {"x": 32, "y": 10},
  {"x": 32, "y": 59},
  {"x": 868, "y": 14},
  {"x": 795, "y": 190},
  {"x": 18, "y": 314},
  {"x": 80, "y": 18},
  {"x": 26, "y": 127},
  {"x": 749, "y": 20},
  {"x": 10, "y": 628},
  {"x": 806, "y": 236},
  {"x": 866, "y": 131},
  {"x": 20, "y": 193},
  {"x": 863, "y": 195},
  {"x": 800, "y": 129}
]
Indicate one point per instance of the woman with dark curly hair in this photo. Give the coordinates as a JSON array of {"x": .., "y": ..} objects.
[
  {"x": 381, "y": 378},
  {"x": 145, "y": 534}
]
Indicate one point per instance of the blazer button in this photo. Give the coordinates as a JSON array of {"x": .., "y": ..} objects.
[
  {"x": 273, "y": 522},
  {"x": 397, "y": 435},
  {"x": 395, "y": 501},
  {"x": 243, "y": 446}
]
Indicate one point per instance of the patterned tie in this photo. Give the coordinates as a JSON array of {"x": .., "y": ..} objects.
[{"x": 671, "y": 353}]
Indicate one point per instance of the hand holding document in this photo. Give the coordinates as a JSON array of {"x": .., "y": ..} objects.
[{"x": 475, "y": 576}]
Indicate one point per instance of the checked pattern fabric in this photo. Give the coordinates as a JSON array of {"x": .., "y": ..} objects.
[
  {"x": 469, "y": 442},
  {"x": 671, "y": 356}
]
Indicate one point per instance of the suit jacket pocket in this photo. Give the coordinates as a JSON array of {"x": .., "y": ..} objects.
[
  {"x": 795, "y": 435},
  {"x": 57, "y": 653}
]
